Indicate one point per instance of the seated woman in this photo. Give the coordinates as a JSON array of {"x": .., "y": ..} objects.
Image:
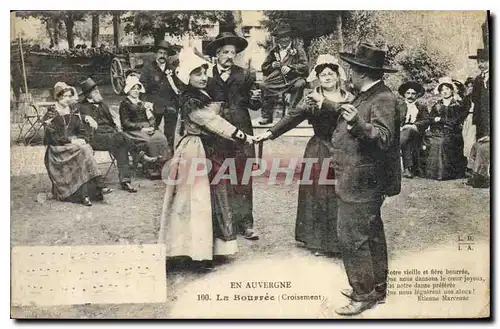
[
  {"x": 316, "y": 223},
  {"x": 443, "y": 142},
  {"x": 138, "y": 124},
  {"x": 69, "y": 159},
  {"x": 197, "y": 220}
]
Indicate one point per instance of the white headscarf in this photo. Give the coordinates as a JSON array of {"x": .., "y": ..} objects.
[
  {"x": 326, "y": 59},
  {"x": 132, "y": 81},
  {"x": 188, "y": 62}
]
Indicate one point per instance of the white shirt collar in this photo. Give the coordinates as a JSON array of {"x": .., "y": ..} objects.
[
  {"x": 368, "y": 86},
  {"x": 286, "y": 48},
  {"x": 134, "y": 100},
  {"x": 161, "y": 66},
  {"x": 221, "y": 69}
]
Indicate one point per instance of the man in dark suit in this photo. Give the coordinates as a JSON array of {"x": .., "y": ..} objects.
[
  {"x": 481, "y": 95},
  {"x": 235, "y": 86},
  {"x": 479, "y": 162},
  {"x": 107, "y": 137},
  {"x": 366, "y": 160},
  {"x": 163, "y": 87},
  {"x": 285, "y": 69},
  {"x": 414, "y": 122}
]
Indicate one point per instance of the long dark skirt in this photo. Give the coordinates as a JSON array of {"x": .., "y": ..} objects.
[
  {"x": 444, "y": 157},
  {"x": 316, "y": 223},
  {"x": 92, "y": 189},
  {"x": 74, "y": 173}
]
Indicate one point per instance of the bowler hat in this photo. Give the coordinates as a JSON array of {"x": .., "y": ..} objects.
[
  {"x": 226, "y": 38},
  {"x": 87, "y": 86},
  {"x": 481, "y": 54},
  {"x": 411, "y": 85},
  {"x": 368, "y": 56}
]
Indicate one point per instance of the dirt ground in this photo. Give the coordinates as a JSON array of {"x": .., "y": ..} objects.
[{"x": 426, "y": 213}]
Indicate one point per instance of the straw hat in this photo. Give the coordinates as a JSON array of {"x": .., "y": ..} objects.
[
  {"x": 132, "y": 81},
  {"x": 326, "y": 59},
  {"x": 61, "y": 87},
  {"x": 446, "y": 81},
  {"x": 188, "y": 62}
]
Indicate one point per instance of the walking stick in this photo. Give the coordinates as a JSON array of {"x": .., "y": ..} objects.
[{"x": 278, "y": 57}]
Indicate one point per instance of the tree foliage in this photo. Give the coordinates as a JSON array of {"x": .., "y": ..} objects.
[
  {"x": 54, "y": 20},
  {"x": 172, "y": 23},
  {"x": 307, "y": 25}
]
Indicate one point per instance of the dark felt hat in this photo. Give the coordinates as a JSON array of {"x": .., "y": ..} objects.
[
  {"x": 226, "y": 38},
  {"x": 411, "y": 85},
  {"x": 481, "y": 54},
  {"x": 368, "y": 56},
  {"x": 170, "y": 48}
]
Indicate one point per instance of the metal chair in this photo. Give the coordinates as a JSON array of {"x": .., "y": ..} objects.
[
  {"x": 32, "y": 120},
  {"x": 112, "y": 162}
]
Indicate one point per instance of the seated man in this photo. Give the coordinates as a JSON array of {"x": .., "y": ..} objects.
[
  {"x": 107, "y": 137},
  {"x": 414, "y": 122},
  {"x": 285, "y": 70}
]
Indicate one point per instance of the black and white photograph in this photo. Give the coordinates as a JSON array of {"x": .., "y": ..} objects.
[{"x": 237, "y": 164}]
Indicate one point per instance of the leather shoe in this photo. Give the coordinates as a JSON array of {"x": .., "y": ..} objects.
[
  {"x": 379, "y": 296},
  {"x": 106, "y": 190},
  {"x": 407, "y": 173},
  {"x": 355, "y": 308},
  {"x": 129, "y": 188},
  {"x": 250, "y": 234},
  {"x": 144, "y": 157},
  {"x": 86, "y": 201}
]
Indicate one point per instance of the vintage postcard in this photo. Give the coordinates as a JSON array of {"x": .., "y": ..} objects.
[{"x": 250, "y": 164}]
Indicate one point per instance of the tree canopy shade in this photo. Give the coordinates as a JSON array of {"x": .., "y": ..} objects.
[
  {"x": 53, "y": 20},
  {"x": 172, "y": 23},
  {"x": 307, "y": 25}
]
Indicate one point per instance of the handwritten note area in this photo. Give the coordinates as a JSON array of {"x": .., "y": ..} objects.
[{"x": 70, "y": 275}]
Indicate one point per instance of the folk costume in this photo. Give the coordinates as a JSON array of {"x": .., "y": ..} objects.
[
  {"x": 163, "y": 89},
  {"x": 366, "y": 161},
  {"x": 197, "y": 218},
  {"x": 479, "y": 160},
  {"x": 71, "y": 166},
  {"x": 444, "y": 142},
  {"x": 134, "y": 116},
  {"x": 107, "y": 137},
  {"x": 276, "y": 84},
  {"x": 233, "y": 88},
  {"x": 414, "y": 122},
  {"x": 316, "y": 222}
]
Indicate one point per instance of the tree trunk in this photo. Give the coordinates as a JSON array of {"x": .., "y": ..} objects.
[
  {"x": 55, "y": 31},
  {"x": 227, "y": 24},
  {"x": 485, "y": 32},
  {"x": 159, "y": 35},
  {"x": 338, "y": 32},
  {"x": 70, "y": 23},
  {"x": 95, "y": 30},
  {"x": 116, "y": 29},
  {"x": 50, "y": 33},
  {"x": 307, "y": 43}
]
